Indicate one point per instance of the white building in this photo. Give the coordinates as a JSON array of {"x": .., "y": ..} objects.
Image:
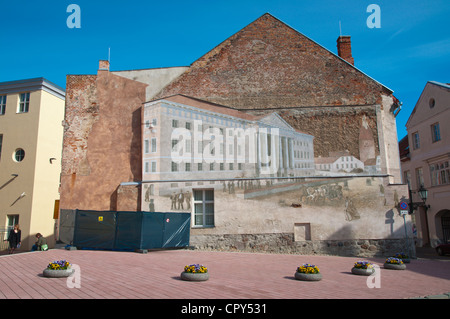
[
  {"x": 339, "y": 162},
  {"x": 187, "y": 139}
]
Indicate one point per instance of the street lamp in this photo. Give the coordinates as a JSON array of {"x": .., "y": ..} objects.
[{"x": 423, "y": 193}]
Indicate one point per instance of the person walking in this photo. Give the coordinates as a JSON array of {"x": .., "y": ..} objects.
[{"x": 14, "y": 238}]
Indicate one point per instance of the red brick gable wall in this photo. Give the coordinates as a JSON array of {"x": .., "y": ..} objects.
[{"x": 268, "y": 65}]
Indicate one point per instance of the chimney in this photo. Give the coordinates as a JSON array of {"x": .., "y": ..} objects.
[
  {"x": 103, "y": 65},
  {"x": 344, "y": 46}
]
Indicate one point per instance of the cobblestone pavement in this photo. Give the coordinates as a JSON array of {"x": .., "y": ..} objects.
[{"x": 233, "y": 275}]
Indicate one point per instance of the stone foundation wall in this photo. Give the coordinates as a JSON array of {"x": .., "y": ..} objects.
[{"x": 284, "y": 243}]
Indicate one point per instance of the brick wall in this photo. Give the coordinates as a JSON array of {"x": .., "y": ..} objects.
[
  {"x": 269, "y": 65},
  {"x": 102, "y": 140}
]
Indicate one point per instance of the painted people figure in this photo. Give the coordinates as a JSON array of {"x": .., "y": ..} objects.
[
  {"x": 180, "y": 199},
  {"x": 350, "y": 210},
  {"x": 173, "y": 199},
  {"x": 187, "y": 197}
]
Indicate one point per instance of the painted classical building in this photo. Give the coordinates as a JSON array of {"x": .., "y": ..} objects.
[
  {"x": 425, "y": 158},
  {"x": 267, "y": 75},
  {"x": 31, "y": 135}
]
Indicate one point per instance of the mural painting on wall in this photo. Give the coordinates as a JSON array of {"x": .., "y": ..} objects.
[{"x": 299, "y": 159}]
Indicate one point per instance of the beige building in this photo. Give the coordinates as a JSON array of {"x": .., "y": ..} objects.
[
  {"x": 425, "y": 157},
  {"x": 31, "y": 112}
]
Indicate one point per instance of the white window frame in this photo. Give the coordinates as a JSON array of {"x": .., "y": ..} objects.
[
  {"x": 3, "y": 99},
  {"x": 202, "y": 202},
  {"x": 24, "y": 103}
]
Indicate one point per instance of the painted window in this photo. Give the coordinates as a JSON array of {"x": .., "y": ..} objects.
[{"x": 153, "y": 145}]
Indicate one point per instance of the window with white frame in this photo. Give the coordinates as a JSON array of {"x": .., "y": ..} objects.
[
  {"x": 24, "y": 103},
  {"x": 153, "y": 145},
  {"x": 416, "y": 140},
  {"x": 435, "y": 132},
  {"x": 440, "y": 173},
  {"x": 146, "y": 146},
  {"x": 419, "y": 177},
  {"x": 2, "y": 104},
  {"x": 203, "y": 207}
]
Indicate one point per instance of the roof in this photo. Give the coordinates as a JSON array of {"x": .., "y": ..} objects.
[
  {"x": 435, "y": 83},
  {"x": 206, "y": 105},
  {"x": 403, "y": 147},
  {"x": 213, "y": 56},
  {"x": 225, "y": 110},
  {"x": 34, "y": 84}
]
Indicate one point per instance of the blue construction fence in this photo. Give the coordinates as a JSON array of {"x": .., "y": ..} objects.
[{"x": 130, "y": 231}]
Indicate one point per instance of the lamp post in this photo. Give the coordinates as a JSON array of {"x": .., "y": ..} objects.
[{"x": 423, "y": 193}]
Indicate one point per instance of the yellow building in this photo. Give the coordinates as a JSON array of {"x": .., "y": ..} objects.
[{"x": 31, "y": 131}]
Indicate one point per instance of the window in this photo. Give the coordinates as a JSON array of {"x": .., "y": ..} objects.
[
  {"x": 174, "y": 167},
  {"x": 199, "y": 166},
  {"x": 203, "y": 208},
  {"x": 174, "y": 123},
  {"x": 416, "y": 140},
  {"x": 2, "y": 104},
  {"x": 153, "y": 167},
  {"x": 187, "y": 167},
  {"x": 211, "y": 166},
  {"x": 19, "y": 155},
  {"x": 435, "y": 132},
  {"x": 432, "y": 103},
  {"x": 419, "y": 176},
  {"x": 440, "y": 173},
  {"x": 12, "y": 220},
  {"x": 146, "y": 146},
  {"x": 188, "y": 126},
  {"x": 174, "y": 145},
  {"x": 24, "y": 103},
  {"x": 407, "y": 178},
  {"x": 146, "y": 167},
  {"x": 153, "y": 145}
]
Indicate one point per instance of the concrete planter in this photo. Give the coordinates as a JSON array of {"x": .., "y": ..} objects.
[
  {"x": 192, "y": 276},
  {"x": 363, "y": 272},
  {"x": 59, "y": 273},
  {"x": 395, "y": 266},
  {"x": 308, "y": 277}
]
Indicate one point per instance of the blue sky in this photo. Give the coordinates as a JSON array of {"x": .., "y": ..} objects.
[{"x": 411, "y": 47}]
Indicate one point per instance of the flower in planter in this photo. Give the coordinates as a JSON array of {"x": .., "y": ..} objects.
[
  {"x": 363, "y": 265},
  {"x": 59, "y": 265},
  {"x": 195, "y": 268},
  {"x": 393, "y": 260},
  {"x": 308, "y": 269}
]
